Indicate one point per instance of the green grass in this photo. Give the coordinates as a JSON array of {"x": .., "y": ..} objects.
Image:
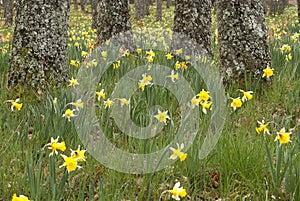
[{"x": 238, "y": 167}]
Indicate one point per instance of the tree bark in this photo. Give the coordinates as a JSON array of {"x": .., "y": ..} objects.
[
  {"x": 8, "y": 12},
  {"x": 113, "y": 17},
  {"x": 82, "y": 5},
  {"x": 243, "y": 45},
  {"x": 94, "y": 13},
  {"x": 147, "y": 7},
  {"x": 159, "y": 10},
  {"x": 139, "y": 8},
  {"x": 193, "y": 19},
  {"x": 168, "y": 3},
  {"x": 39, "y": 47},
  {"x": 76, "y": 4},
  {"x": 298, "y": 11}
]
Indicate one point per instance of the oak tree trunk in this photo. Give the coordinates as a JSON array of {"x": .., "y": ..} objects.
[
  {"x": 139, "y": 8},
  {"x": 159, "y": 10},
  {"x": 243, "y": 45},
  {"x": 193, "y": 19},
  {"x": 39, "y": 47},
  {"x": 8, "y": 12}
]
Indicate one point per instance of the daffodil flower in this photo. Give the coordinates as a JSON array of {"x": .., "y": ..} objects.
[
  {"x": 70, "y": 163},
  {"x": 162, "y": 116},
  {"x": 283, "y": 136},
  {"x": 177, "y": 192},
  {"x": 69, "y": 114},
  {"x": 73, "y": 82},
  {"x": 117, "y": 64},
  {"x": 108, "y": 103},
  {"x": 54, "y": 145},
  {"x": 195, "y": 101},
  {"x": 78, "y": 104},
  {"x": 205, "y": 105},
  {"x": 19, "y": 198},
  {"x": 75, "y": 63},
  {"x": 236, "y": 103},
  {"x": 78, "y": 154},
  {"x": 177, "y": 153},
  {"x": 262, "y": 127},
  {"x": 123, "y": 101},
  {"x": 203, "y": 95},
  {"x": 150, "y": 53},
  {"x": 169, "y": 56},
  {"x": 15, "y": 104},
  {"x": 247, "y": 95},
  {"x": 173, "y": 76},
  {"x": 100, "y": 94},
  {"x": 268, "y": 72}
]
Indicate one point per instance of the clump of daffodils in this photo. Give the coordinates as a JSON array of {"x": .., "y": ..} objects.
[{"x": 202, "y": 99}]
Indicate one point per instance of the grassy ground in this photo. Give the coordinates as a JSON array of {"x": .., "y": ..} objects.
[{"x": 243, "y": 165}]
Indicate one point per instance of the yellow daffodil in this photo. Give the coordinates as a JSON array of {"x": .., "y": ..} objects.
[
  {"x": 127, "y": 53},
  {"x": 68, "y": 114},
  {"x": 55, "y": 102},
  {"x": 19, "y": 198},
  {"x": 104, "y": 55},
  {"x": 108, "y": 103},
  {"x": 84, "y": 53},
  {"x": 205, "y": 105},
  {"x": 283, "y": 136},
  {"x": 184, "y": 65},
  {"x": 15, "y": 104},
  {"x": 54, "y": 145},
  {"x": 236, "y": 103},
  {"x": 177, "y": 65},
  {"x": 145, "y": 81},
  {"x": 139, "y": 51},
  {"x": 78, "y": 104},
  {"x": 123, "y": 101},
  {"x": 162, "y": 116},
  {"x": 288, "y": 57},
  {"x": 285, "y": 48},
  {"x": 203, "y": 95},
  {"x": 173, "y": 76},
  {"x": 169, "y": 56},
  {"x": 178, "y": 192},
  {"x": 247, "y": 95},
  {"x": 179, "y": 51},
  {"x": 195, "y": 101},
  {"x": 76, "y": 44},
  {"x": 187, "y": 57},
  {"x": 100, "y": 94},
  {"x": 150, "y": 53},
  {"x": 70, "y": 163},
  {"x": 117, "y": 64},
  {"x": 177, "y": 153},
  {"x": 73, "y": 82},
  {"x": 150, "y": 59},
  {"x": 268, "y": 72},
  {"x": 262, "y": 127},
  {"x": 78, "y": 154}
]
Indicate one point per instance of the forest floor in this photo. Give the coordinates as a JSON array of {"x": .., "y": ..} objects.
[{"x": 247, "y": 163}]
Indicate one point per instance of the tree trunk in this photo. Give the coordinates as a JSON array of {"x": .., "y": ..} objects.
[
  {"x": 298, "y": 11},
  {"x": 147, "y": 7},
  {"x": 139, "y": 8},
  {"x": 94, "y": 13},
  {"x": 193, "y": 19},
  {"x": 76, "y": 4},
  {"x": 39, "y": 47},
  {"x": 243, "y": 45},
  {"x": 8, "y": 12},
  {"x": 168, "y": 3},
  {"x": 159, "y": 10},
  {"x": 82, "y": 5},
  {"x": 113, "y": 17},
  {"x": 282, "y": 4}
]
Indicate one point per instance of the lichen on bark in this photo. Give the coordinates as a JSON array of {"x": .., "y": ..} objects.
[
  {"x": 39, "y": 46},
  {"x": 242, "y": 38}
]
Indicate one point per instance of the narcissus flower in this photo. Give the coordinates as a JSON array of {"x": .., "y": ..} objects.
[
  {"x": 177, "y": 153},
  {"x": 288, "y": 57},
  {"x": 283, "y": 136},
  {"x": 178, "y": 192},
  {"x": 104, "y": 55},
  {"x": 203, "y": 95},
  {"x": 126, "y": 53},
  {"x": 150, "y": 59},
  {"x": 15, "y": 104},
  {"x": 285, "y": 48},
  {"x": 100, "y": 94},
  {"x": 177, "y": 65},
  {"x": 73, "y": 82},
  {"x": 236, "y": 103},
  {"x": 78, "y": 104},
  {"x": 150, "y": 53},
  {"x": 70, "y": 163},
  {"x": 108, "y": 103},
  {"x": 179, "y": 51},
  {"x": 205, "y": 105},
  {"x": 68, "y": 114},
  {"x": 162, "y": 116},
  {"x": 268, "y": 72},
  {"x": 117, "y": 64},
  {"x": 247, "y": 95},
  {"x": 78, "y": 154},
  {"x": 55, "y": 102},
  {"x": 19, "y": 198},
  {"x": 169, "y": 56},
  {"x": 75, "y": 63},
  {"x": 139, "y": 51},
  {"x": 195, "y": 101},
  {"x": 145, "y": 81},
  {"x": 84, "y": 53},
  {"x": 54, "y": 145},
  {"x": 262, "y": 127},
  {"x": 123, "y": 101},
  {"x": 173, "y": 76}
]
